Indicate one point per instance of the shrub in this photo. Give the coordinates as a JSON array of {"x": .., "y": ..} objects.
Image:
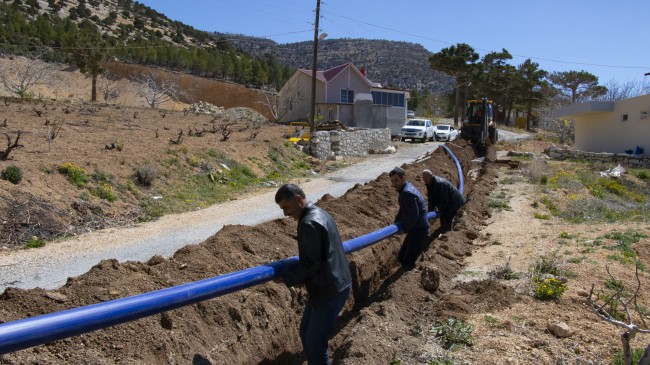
[
  {"x": 619, "y": 358},
  {"x": 12, "y": 174},
  {"x": 504, "y": 273},
  {"x": 104, "y": 191},
  {"x": 541, "y": 216},
  {"x": 35, "y": 242},
  {"x": 549, "y": 288},
  {"x": 644, "y": 175},
  {"x": 546, "y": 265},
  {"x": 146, "y": 175},
  {"x": 453, "y": 332},
  {"x": 76, "y": 175}
]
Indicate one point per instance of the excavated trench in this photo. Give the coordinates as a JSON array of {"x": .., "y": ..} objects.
[{"x": 259, "y": 325}]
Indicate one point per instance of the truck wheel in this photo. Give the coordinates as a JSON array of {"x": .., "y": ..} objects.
[{"x": 424, "y": 138}]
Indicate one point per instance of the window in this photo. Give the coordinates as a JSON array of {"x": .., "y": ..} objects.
[
  {"x": 347, "y": 96},
  {"x": 388, "y": 99}
]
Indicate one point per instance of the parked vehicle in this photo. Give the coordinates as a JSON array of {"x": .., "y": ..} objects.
[
  {"x": 445, "y": 132},
  {"x": 421, "y": 129},
  {"x": 410, "y": 114}
]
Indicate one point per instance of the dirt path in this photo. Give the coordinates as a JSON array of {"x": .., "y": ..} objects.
[{"x": 50, "y": 267}]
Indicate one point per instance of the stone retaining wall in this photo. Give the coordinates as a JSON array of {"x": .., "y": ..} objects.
[
  {"x": 353, "y": 143},
  {"x": 642, "y": 161}
]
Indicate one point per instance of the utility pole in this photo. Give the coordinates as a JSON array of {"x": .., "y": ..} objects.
[{"x": 312, "y": 117}]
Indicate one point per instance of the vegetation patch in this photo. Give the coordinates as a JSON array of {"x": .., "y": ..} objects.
[
  {"x": 35, "y": 242},
  {"x": 76, "y": 175},
  {"x": 13, "y": 174},
  {"x": 452, "y": 333},
  {"x": 586, "y": 196},
  {"x": 549, "y": 289}
]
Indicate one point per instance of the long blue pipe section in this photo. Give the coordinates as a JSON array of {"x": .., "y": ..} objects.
[{"x": 28, "y": 332}]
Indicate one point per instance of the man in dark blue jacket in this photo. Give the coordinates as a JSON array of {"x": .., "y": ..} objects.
[
  {"x": 444, "y": 197},
  {"x": 323, "y": 268},
  {"x": 413, "y": 215}
]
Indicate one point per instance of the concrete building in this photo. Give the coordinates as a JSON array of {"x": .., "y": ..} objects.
[
  {"x": 344, "y": 93},
  {"x": 611, "y": 126}
]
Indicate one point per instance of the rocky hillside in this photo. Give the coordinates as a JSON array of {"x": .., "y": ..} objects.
[{"x": 391, "y": 63}]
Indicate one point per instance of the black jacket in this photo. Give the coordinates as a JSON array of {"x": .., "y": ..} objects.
[
  {"x": 323, "y": 266},
  {"x": 412, "y": 209},
  {"x": 443, "y": 195}
]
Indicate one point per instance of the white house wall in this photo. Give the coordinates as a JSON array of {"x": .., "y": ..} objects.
[{"x": 607, "y": 132}]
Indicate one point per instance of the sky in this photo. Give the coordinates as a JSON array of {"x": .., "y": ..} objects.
[{"x": 610, "y": 39}]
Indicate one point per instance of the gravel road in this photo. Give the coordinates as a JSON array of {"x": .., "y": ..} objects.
[{"x": 50, "y": 267}]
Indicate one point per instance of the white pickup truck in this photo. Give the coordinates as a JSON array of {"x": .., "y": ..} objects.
[{"x": 421, "y": 129}]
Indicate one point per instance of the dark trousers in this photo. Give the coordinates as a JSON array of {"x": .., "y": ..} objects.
[
  {"x": 315, "y": 327},
  {"x": 412, "y": 246},
  {"x": 446, "y": 219}
]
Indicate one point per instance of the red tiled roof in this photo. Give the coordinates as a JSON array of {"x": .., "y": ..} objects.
[{"x": 328, "y": 75}]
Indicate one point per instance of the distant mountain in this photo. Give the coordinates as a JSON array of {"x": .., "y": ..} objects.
[
  {"x": 391, "y": 63},
  {"x": 138, "y": 34}
]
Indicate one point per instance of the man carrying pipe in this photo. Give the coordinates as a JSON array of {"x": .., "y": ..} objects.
[
  {"x": 322, "y": 267},
  {"x": 413, "y": 215},
  {"x": 443, "y": 196}
]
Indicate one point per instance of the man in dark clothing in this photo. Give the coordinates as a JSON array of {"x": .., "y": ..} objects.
[
  {"x": 444, "y": 196},
  {"x": 323, "y": 268},
  {"x": 413, "y": 215}
]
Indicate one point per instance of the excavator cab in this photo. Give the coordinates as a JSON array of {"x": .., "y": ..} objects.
[{"x": 478, "y": 125}]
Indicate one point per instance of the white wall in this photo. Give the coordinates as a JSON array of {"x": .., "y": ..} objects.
[{"x": 607, "y": 132}]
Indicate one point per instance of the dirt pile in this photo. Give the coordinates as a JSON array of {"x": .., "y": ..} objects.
[{"x": 260, "y": 324}]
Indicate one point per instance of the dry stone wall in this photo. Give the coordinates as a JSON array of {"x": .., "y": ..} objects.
[
  {"x": 355, "y": 143},
  {"x": 638, "y": 161}
]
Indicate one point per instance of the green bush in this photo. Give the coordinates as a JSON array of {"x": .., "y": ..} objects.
[
  {"x": 644, "y": 175},
  {"x": 12, "y": 174},
  {"x": 104, "y": 191},
  {"x": 76, "y": 175},
  {"x": 619, "y": 358},
  {"x": 453, "y": 332},
  {"x": 35, "y": 243},
  {"x": 549, "y": 288}
]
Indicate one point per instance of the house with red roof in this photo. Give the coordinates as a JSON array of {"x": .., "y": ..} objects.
[{"x": 344, "y": 93}]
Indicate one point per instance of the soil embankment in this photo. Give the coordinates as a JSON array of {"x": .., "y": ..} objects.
[{"x": 260, "y": 324}]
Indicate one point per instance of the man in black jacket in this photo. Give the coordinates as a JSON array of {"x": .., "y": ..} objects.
[
  {"x": 444, "y": 196},
  {"x": 413, "y": 215},
  {"x": 323, "y": 268}
]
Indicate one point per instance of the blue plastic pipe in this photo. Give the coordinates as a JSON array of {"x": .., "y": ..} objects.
[
  {"x": 461, "y": 178},
  {"x": 28, "y": 332}
]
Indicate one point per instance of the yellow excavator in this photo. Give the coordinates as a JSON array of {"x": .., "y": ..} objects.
[{"x": 478, "y": 125}]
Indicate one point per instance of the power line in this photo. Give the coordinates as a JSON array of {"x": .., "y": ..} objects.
[{"x": 486, "y": 50}]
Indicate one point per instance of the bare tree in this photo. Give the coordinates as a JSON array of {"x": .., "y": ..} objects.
[
  {"x": 4, "y": 155},
  {"x": 156, "y": 89},
  {"x": 607, "y": 311},
  {"x": 109, "y": 87},
  {"x": 620, "y": 91},
  {"x": 53, "y": 129},
  {"x": 22, "y": 74},
  {"x": 226, "y": 131},
  {"x": 563, "y": 128}
]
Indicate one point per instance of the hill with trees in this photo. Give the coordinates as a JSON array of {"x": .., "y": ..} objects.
[
  {"x": 87, "y": 33},
  {"x": 391, "y": 63}
]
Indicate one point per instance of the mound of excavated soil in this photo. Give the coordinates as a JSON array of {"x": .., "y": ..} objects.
[{"x": 260, "y": 324}]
